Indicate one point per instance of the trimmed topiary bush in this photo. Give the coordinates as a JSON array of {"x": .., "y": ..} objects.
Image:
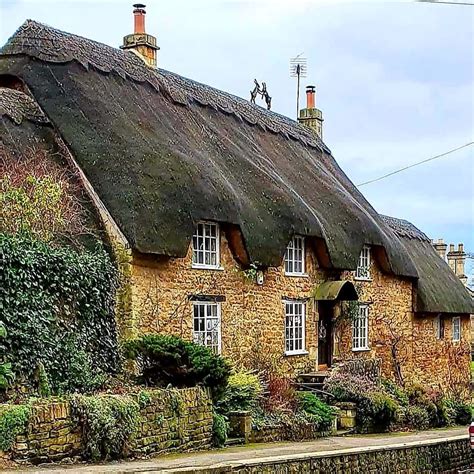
[
  {"x": 219, "y": 430},
  {"x": 13, "y": 421},
  {"x": 164, "y": 360}
]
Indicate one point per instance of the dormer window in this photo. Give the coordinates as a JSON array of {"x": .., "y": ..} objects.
[
  {"x": 206, "y": 246},
  {"x": 363, "y": 267},
  {"x": 294, "y": 257}
]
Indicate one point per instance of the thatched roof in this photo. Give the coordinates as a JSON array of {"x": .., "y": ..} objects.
[
  {"x": 439, "y": 290},
  {"x": 163, "y": 152}
]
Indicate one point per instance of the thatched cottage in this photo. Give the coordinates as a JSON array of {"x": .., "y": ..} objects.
[{"x": 238, "y": 229}]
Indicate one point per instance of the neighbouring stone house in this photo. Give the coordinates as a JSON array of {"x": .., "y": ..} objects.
[{"x": 233, "y": 225}]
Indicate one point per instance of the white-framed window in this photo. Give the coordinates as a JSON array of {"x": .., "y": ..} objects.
[
  {"x": 206, "y": 245},
  {"x": 363, "y": 266},
  {"x": 456, "y": 329},
  {"x": 207, "y": 324},
  {"x": 294, "y": 256},
  {"x": 295, "y": 321},
  {"x": 439, "y": 327},
  {"x": 360, "y": 329}
]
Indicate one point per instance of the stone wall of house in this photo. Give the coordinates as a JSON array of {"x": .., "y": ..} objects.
[
  {"x": 405, "y": 342},
  {"x": 170, "y": 421},
  {"x": 252, "y": 315}
]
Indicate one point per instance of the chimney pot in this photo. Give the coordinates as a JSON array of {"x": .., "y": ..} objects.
[
  {"x": 460, "y": 247},
  {"x": 139, "y": 18},
  {"x": 310, "y": 97},
  {"x": 451, "y": 247}
]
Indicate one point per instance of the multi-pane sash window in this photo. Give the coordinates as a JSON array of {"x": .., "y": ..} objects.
[
  {"x": 294, "y": 256},
  {"x": 360, "y": 329},
  {"x": 295, "y": 316},
  {"x": 363, "y": 266},
  {"x": 456, "y": 329},
  {"x": 206, "y": 245},
  {"x": 207, "y": 325}
]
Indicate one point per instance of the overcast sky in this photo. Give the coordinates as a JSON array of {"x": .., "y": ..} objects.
[{"x": 395, "y": 81}]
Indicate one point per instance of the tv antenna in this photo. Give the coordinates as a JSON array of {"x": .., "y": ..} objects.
[{"x": 298, "y": 69}]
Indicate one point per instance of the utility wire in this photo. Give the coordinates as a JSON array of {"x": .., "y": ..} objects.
[
  {"x": 446, "y": 3},
  {"x": 415, "y": 164}
]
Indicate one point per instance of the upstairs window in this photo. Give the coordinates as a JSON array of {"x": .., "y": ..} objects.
[
  {"x": 294, "y": 256},
  {"x": 207, "y": 325},
  {"x": 363, "y": 266},
  {"x": 360, "y": 329},
  {"x": 206, "y": 246},
  {"x": 456, "y": 329},
  {"x": 295, "y": 318}
]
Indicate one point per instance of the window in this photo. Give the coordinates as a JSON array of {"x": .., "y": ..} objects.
[
  {"x": 295, "y": 317},
  {"x": 294, "y": 256},
  {"x": 363, "y": 267},
  {"x": 439, "y": 327},
  {"x": 207, "y": 325},
  {"x": 360, "y": 329},
  {"x": 206, "y": 245},
  {"x": 456, "y": 329}
]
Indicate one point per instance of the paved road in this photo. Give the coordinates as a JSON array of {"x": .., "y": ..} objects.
[{"x": 193, "y": 461}]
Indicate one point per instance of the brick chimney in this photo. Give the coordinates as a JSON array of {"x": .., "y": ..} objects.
[
  {"x": 440, "y": 247},
  {"x": 141, "y": 43},
  {"x": 456, "y": 260},
  {"x": 311, "y": 116}
]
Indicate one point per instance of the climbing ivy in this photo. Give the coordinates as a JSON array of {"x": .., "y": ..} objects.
[{"x": 57, "y": 305}]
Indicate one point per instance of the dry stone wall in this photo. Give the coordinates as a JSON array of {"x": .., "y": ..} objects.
[{"x": 170, "y": 421}]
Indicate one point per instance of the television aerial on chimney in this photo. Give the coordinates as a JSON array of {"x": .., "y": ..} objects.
[{"x": 298, "y": 69}]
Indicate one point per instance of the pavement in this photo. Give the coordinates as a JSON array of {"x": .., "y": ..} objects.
[{"x": 253, "y": 453}]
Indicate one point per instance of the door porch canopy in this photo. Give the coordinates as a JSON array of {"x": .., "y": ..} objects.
[{"x": 338, "y": 290}]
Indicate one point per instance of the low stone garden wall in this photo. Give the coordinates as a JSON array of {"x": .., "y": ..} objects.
[
  {"x": 240, "y": 424},
  {"x": 169, "y": 421}
]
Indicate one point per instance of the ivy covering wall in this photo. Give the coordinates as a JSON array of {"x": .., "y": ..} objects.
[{"x": 57, "y": 305}]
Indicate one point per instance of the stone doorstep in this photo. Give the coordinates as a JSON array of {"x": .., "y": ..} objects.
[{"x": 301, "y": 457}]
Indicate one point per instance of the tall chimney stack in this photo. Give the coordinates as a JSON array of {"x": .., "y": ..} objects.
[
  {"x": 440, "y": 248},
  {"x": 141, "y": 43},
  {"x": 311, "y": 116},
  {"x": 457, "y": 260}
]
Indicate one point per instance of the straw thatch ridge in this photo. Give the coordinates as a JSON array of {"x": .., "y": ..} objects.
[{"x": 438, "y": 290}]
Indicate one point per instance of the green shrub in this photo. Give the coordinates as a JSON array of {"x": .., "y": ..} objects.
[
  {"x": 109, "y": 423},
  {"x": 318, "y": 412},
  {"x": 396, "y": 392},
  {"x": 164, "y": 360},
  {"x": 13, "y": 421},
  {"x": 376, "y": 409},
  {"x": 414, "y": 417},
  {"x": 219, "y": 430},
  {"x": 455, "y": 412},
  {"x": 58, "y": 305},
  {"x": 243, "y": 392}
]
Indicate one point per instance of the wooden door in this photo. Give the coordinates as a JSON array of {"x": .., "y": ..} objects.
[{"x": 325, "y": 334}]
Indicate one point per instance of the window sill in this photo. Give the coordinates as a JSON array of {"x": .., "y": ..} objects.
[
  {"x": 296, "y": 353},
  {"x": 361, "y": 349},
  {"x": 301, "y": 275},
  {"x": 204, "y": 267},
  {"x": 362, "y": 279}
]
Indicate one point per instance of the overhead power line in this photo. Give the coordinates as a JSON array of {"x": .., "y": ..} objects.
[
  {"x": 415, "y": 164},
  {"x": 446, "y": 3}
]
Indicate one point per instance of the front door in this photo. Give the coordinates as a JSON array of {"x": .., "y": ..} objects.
[{"x": 325, "y": 309}]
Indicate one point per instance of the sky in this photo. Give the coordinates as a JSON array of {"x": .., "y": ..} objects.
[{"x": 394, "y": 80}]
